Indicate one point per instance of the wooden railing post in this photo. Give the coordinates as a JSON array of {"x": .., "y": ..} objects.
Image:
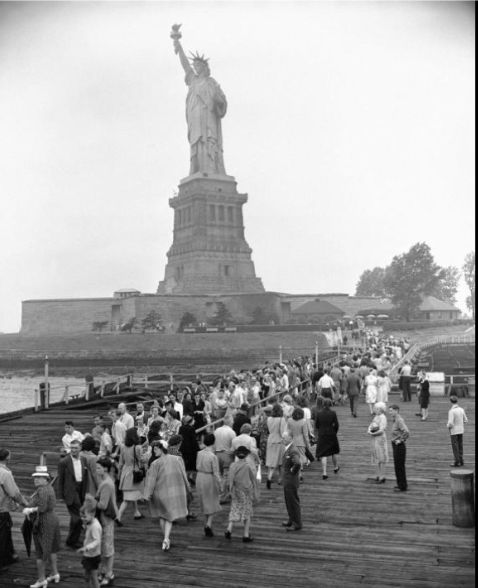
[
  {"x": 36, "y": 394},
  {"x": 66, "y": 396}
]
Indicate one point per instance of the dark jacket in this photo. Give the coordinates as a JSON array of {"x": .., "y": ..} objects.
[
  {"x": 66, "y": 483},
  {"x": 354, "y": 383},
  {"x": 291, "y": 465},
  {"x": 239, "y": 420}
]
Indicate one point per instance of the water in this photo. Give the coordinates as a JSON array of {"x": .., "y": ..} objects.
[{"x": 17, "y": 392}]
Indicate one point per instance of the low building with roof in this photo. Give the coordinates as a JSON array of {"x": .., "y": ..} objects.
[{"x": 433, "y": 309}]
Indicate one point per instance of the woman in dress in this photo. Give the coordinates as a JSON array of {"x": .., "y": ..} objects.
[
  {"x": 198, "y": 409},
  {"x": 242, "y": 486},
  {"x": 171, "y": 424},
  {"x": 299, "y": 431},
  {"x": 423, "y": 394},
  {"x": 327, "y": 426},
  {"x": 370, "y": 384},
  {"x": 384, "y": 385},
  {"x": 379, "y": 449},
  {"x": 87, "y": 448},
  {"x": 208, "y": 482},
  {"x": 130, "y": 459},
  {"x": 276, "y": 425},
  {"x": 167, "y": 489},
  {"x": 46, "y": 532},
  {"x": 108, "y": 513}
]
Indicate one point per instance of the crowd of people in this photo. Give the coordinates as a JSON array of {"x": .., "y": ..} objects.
[{"x": 206, "y": 446}]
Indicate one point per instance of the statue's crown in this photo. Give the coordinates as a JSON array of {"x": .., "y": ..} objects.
[{"x": 197, "y": 57}]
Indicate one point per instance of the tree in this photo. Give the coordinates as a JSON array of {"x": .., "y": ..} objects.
[
  {"x": 187, "y": 320},
  {"x": 448, "y": 286},
  {"x": 99, "y": 325},
  {"x": 371, "y": 283},
  {"x": 128, "y": 326},
  {"x": 222, "y": 317},
  {"x": 410, "y": 277},
  {"x": 152, "y": 321},
  {"x": 469, "y": 275}
]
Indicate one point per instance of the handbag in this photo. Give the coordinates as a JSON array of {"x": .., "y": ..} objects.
[
  {"x": 138, "y": 471},
  {"x": 309, "y": 455}
]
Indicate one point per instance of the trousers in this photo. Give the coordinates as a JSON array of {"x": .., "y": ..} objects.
[
  {"x": 292, "y": 502},
  {"x": 7, "y": 550},
  {"x": 399, "y": 456},
  {"x": 457, "y": 447}
]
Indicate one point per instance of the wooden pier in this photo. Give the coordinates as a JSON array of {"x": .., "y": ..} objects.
[{"x": 356, "y": 533}]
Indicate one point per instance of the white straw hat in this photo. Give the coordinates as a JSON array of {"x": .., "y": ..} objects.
[{"x": 41, "y": 471}]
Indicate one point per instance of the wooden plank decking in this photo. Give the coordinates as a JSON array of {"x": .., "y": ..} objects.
[{"x": 355, "y": 533}]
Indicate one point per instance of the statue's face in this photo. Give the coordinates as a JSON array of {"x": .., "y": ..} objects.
[{"x": 199, "y": 67}]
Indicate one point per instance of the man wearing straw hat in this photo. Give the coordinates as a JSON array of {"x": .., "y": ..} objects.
[{"x": 9, "y": 493}]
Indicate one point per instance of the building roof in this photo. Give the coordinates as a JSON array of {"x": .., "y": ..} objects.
[
  {"x": 353, "y": 305},
  {"x": 430, "y": 303},
  {"x": 318, "y": 307}
]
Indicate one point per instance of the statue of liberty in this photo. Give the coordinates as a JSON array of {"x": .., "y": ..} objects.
[{"x": 205, "y": 106}]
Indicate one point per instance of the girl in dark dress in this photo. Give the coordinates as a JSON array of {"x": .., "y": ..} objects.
[
  {"x": 198, "y": 408},
  {"x": 424, "y": 394},
  {"x": 189, "y": 446},
  {"x": 327, "y": 426}
]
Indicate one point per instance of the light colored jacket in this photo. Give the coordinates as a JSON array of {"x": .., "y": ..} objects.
[{"x": 456, "y": 420}]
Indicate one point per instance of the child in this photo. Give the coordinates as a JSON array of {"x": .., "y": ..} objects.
[{"x": 91, "y": 549}]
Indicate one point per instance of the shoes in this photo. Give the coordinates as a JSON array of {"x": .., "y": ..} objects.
[
  {"x": 107, "y": 581},
  {"x": 39, "y": 584},
  {"x": 166, "y": 545},
  {"x": 293, "y": 528},
  {"x": 287, "y": 524},
  {"x": 455, "y": 465},
  {"x": 397, "y": 489},
  {"x": 301, "y": 478},
  {"x": 354, "y": 415},
  {"x": 137, "y": 517},
  {"x": 228, "y": 534},
  {"x": 418, "y": 414},
  {"x": 191, "y": 517},
  {"x": 382, "y": 481},
  {"x": 423, "y": 419},
  {"x": 118, "y": 523},
  {"x": 324, "y": 477},
  {"x": 268, "y": 484},
  {"x": 208, "y": 532},
  {"x": 247, "y": 539},
  {"x": 336, "y": 470},
  {"x": 55, "y": 578}
]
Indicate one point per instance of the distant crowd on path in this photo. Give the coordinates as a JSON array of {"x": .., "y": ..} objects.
[{"x": 177, "y": 458}]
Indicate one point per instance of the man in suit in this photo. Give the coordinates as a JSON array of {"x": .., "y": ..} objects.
[
  {"x": 290, "y": 482},
  {"x": 72, "y": 482},
  {"x": 354, "y": 384}
]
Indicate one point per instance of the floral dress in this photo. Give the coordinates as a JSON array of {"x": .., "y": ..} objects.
[
  {"x": 242, "y": 484},
  {"x": 46, "y": 535},
  {"x": 379, "y": 448}
]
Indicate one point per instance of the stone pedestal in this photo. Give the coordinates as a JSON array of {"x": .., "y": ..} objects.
[
  {"x": 462, "y": 498},
  {"x": 209, "y": 254}
]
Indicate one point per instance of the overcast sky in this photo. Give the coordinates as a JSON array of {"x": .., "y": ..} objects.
[{"x": 350, "y": 126}]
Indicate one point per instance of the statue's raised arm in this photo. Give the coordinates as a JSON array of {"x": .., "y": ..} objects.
[
  {"x": 205, "y": 106},
  {"x": 178, "y": 49}
]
